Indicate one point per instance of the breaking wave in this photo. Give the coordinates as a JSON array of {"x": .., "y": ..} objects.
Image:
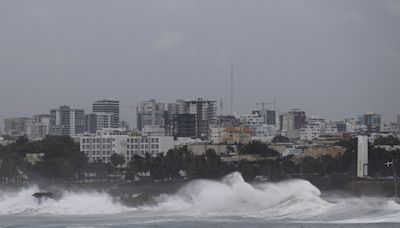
[
  {"x": 293, "y": 200},
  {"x": 288, "y": 201},
  {"x": 71, "y": 203}
]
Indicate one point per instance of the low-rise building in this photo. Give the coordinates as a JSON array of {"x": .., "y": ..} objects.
[
  {"x": 201, "y": 148},
  {"x": 153, "y": 130},
  {"x": 231, "y": 135},
  {"x": 317, "y": 151},
  {"x": 265, "y": 133},
  {"x": 109, "y": 141}
]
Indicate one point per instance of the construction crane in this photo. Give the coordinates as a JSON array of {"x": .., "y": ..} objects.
[{"x": 266, "y": 103}]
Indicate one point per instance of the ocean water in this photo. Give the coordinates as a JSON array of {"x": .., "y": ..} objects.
[{"x": 230, "y": 202}]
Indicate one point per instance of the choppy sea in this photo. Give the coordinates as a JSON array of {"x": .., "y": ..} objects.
[{"x": 230, "y": 202}]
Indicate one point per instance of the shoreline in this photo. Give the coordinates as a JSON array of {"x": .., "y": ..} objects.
[{"x": 344, "y": 185}]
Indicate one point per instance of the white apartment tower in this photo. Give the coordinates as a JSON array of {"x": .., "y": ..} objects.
[{"x": 362, "y": 156}]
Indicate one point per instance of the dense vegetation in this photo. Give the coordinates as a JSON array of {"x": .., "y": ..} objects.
[{"x": 61, "y": 161}]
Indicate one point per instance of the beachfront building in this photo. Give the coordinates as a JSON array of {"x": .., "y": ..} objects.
[{"x": 104, "y": 143}]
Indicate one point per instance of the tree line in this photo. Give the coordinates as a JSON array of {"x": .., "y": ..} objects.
[{"x": 61, "y": 161}]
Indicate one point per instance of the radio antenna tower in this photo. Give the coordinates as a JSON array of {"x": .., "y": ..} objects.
[{"x": 232, "y": 89}]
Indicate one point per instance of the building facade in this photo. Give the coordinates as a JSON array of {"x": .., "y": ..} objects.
[
  {"x": 90, "y": 123},
  {"x": 292, "y": 120},
  {"x": 253, "y": 120},
  {"x": 39, "y": 128},
  {"x": 109, "y": 107},
  {"x": 205, "y": 111},
  {"x": 106, "y": 142},
  {"x": 150, "y": 112},
  {"x": 231, "y": 135},
  {"x": 179, "y": 118},
  {"x": 371, "y": 121},
  {"x": 67, "y": 121},
  {"x": 16, "y": 127}
]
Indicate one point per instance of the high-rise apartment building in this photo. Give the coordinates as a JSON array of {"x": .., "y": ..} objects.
[
  {"x": 205, "y": 111},
  {"x": 292, "y": 120},
  {"x": 150, "y": 112},
  {"x": 372, "y": 121},
  {"x": 190, "y": 118},
  {"x": 90, "y": 123},
  {"x": 107, "y": 108},
  {"x": 67, "y": 121},
  {"x": 268, "y": 116}
]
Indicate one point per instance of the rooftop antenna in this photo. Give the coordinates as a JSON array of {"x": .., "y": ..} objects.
[
  {"x": 220, "y": 106},
  {"x": 232, "y": 89}
]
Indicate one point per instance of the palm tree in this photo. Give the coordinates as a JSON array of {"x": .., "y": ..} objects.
[{"x": 116, "y": 160}]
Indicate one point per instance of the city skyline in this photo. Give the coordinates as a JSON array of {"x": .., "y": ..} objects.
[
  {"x": 333, "y": 59},
  {"x": 132, "y": 121}
]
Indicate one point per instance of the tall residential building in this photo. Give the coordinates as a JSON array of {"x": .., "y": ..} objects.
[
  {"x": 183, "y": 125},
  {"x": 111, "y": 108},
  {"x": 40, "y": 118},
  {"x": 292, "y": 120},
  {"x": 268, "y": 116},
  {"x": 180, "y": 116},
  {"x": 104, "y": 120},
  {"x": 90, "y": 123},
  {"x": 150, "y": 112},
  {"x": 372, "y": 121},
  {"x": 205, "y": 111},
  {"x": 67, "y": 121},
  {"x": 16, "y": 127},
  {"x": 178, "y": 107}
]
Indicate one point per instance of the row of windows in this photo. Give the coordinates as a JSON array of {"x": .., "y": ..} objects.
[
  {"x": 145, "y": 146},
  {"x": 104, "y": 147},
  {"x": 129, "y": 140},
  {"x": 93, "y": 153},
  {"x": 96, "y": 140},
  {"x": 143, "y": 140}
]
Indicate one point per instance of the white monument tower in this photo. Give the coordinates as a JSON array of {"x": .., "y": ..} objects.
[{"x": 362, "y": 156}]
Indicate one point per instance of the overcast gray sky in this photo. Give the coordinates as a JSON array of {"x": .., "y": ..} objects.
[{"x": 334, "y": 59}]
